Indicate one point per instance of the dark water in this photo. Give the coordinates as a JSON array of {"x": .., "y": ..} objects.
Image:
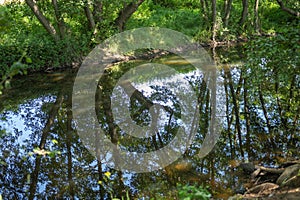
[{"x": 42, "y": 155}]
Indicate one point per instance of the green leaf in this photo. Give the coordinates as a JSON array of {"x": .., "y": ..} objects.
[{"x": 28, "y": 60}]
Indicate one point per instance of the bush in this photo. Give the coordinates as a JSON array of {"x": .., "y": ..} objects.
[
  {"x": 8, "y": 55},
  {"x": 24, "y": 37}
]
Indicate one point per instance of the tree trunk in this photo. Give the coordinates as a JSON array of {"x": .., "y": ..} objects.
[
  {"x": 247, "y": 118},
  {"x": 279, "y": 106},
  {"x": 227, "y": 9},
  {"x": 288, "y": 10},
  {"x": 212, "y": 171},
  {"x": 50, "y": 121},
  {"x": 228, "y": 118},
  {"x": 204, "y": 9},
  {"x": 244, "y": 12},
  {"x": 291, "y": 91},
  {"x": 225, "y": 5},
  {"x": 99, "y": 164},
  {"x": 89, "y": 17},
  {"x": 42, "y": 19},
  {"x": 59, "y": 19},
  {"x": 97, "y": 12},
  {"x": 126, "y": 13},
  {"x": 263, "y": 105},
  {"x": 256, "y": 17},
  {"x": 214, "y": 20},
  {"x": 294, "y": 126},
  {"x": 69, "y": 133},
  {"x": 236, "y": 110}
]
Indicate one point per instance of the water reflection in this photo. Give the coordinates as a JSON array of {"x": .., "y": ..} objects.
[
  {"x": 42, "y": 156},
  {"x": 20, "y": 122}
]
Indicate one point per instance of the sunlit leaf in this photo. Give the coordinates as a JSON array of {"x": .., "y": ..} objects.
[
  {"x": 54, "y": 141},
  {"x": 41, "y": 152},
  {"x": 107, "y": 174},
  {"x": 28, "y": 178},
  {"x": 7, "y": 84},
  {"x": 2, "y": 163}
]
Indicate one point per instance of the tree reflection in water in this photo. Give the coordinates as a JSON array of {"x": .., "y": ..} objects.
[{"x": 42, "y": 156}]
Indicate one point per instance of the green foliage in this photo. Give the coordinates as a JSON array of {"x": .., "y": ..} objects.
[
  {"x": 278, "y": 54},
  {"x": 184, "y": 20},
  {"x": 274, "y": 19},
  {"x": 190, "y": 192},
  {"x": 4, "y": 19},
  {"x": 45, "y": 52},
  {"x": 37, "y": 52},
  {"x": 273, "y": 67},
  {"x": 27, "y": 35},
  {"x": 22, "y": 32},
  {"x": 2, "y": 132},
  {"x": 16, "y": 68},
  {"x": 177, "y": 4}
]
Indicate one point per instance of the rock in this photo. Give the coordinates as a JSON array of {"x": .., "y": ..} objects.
[
  {"x": 236, "y": 197},
  {"x": 293, "y": 182},
  {"x": 288, "y": 173},
  {"x": 264, "y": 187},
  {"x": 240, "y": 190},
  {"x": 289, "y": 163},
  {"x": 255, "y": 173},
  {"x": 247, "y": 167}
]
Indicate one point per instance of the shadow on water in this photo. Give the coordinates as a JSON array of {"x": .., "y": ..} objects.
[{"x": 43, "y": 157}]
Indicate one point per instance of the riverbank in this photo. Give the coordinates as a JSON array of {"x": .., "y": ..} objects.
[
  {"x": 33, "y": 45},
  {"x": 277, "y": 182}
]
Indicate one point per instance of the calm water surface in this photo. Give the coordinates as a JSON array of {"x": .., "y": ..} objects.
[{"x": 42, "y": 156}]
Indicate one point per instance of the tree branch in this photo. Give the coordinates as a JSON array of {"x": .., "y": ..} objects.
[
  {"x": 126, "y": 13},
  {"x": 59, "y": 19},
  {"x": 89, "y": 17},
  {"x": 288, "y": 10},
  {"x": 42, "y": 19}
]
